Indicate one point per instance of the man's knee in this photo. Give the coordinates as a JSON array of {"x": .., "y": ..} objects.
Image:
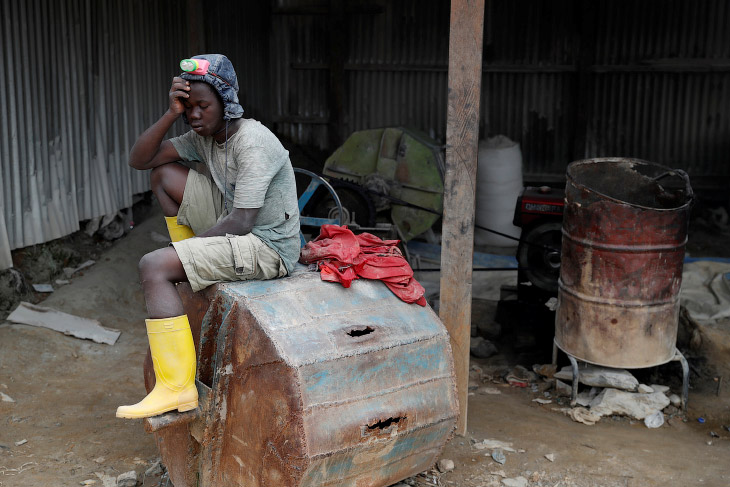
[
  {"x": 161, "y": 265},
  {"x": 153, "y": 265},
  {"x": 157, "y": 176},
  {"x": 147, "y": 265}
]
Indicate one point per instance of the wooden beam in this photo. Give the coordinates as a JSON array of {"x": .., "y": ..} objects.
[{"x": 462, "y": 137}]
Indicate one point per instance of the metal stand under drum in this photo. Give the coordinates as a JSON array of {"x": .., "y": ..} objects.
[{"x": 678, "y": 357}]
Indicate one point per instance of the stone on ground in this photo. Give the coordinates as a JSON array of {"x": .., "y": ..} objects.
[
  {"x": 515, "y": 482},
  {"x": 127, "y": 479},
  {"x": 593, "y": 375},
  {"x": 675, "y": 400},
  {"x": 482, "y": 348},
  {"x": 634, "y": 405}
]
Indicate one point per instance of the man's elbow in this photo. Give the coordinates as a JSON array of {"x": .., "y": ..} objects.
[
  {"x": 139, "y": 164},
  {"x": 245, "y": 229}
]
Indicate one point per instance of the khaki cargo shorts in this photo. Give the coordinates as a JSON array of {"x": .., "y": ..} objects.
[{"x": 208, "y": 260}]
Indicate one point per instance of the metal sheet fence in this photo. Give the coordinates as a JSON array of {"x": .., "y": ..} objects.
[
  {"x": 81, "y": 80},
  {"x": 567, "y": 79}
]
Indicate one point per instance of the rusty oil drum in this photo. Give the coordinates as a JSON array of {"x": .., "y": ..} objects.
[{"x": 624, "y": 234}]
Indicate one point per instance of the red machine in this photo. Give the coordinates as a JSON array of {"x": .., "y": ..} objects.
[{"x": 539, "y": 212}]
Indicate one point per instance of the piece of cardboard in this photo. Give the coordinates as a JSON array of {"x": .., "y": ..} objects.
[{"x": 33, "y": 315}]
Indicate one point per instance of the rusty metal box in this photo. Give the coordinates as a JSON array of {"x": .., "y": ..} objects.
[{"x": 306, "y": 383}]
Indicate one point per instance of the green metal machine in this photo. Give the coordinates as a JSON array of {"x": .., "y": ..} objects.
[{"x": 397, "y": 169}]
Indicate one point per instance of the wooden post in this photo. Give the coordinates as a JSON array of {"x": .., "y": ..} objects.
[{"x": 462, "y": 135}]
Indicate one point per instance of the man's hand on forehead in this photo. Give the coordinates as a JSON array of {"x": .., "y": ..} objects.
[{"x": 179, "y": 91}]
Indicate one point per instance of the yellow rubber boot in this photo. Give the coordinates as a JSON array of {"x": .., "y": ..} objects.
[
  {"x": 178, "y": 232},
  {"x": 173, "y": 358}
]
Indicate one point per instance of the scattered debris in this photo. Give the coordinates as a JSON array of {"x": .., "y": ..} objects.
[
  {"x": 714, "y": 435},
  {"x": 488, "y": 390},
  {"x": 654, "y": 420},
  {"x": 88, "y": 482},
  {"x": 542, "y": 401},
  {"x": 70, "y": 271},
  {"x": 520, "y": 377},
  {"x": 675, "y": 400},
  {"x": 515, "y": 482},
  {"x": 494, "y": 444},
  {"x": 705, "y": 293},
  {"x": 154, "y": 470},
  {"x": 482, "y": 348},
  {"x": 31, "y": 314},
  {"x": 562, "y": 389},
  {"x": 63, "y": 282},
  {"x": 584, "y": 398},
  {"x": 583, "y": 415},
  {"x": 444, "y": 465},
  {"x": 127, "y": 479},
  {"x": 671, "y": 411},
  {"x": 498, "y": 456},
  {"x": 637, "y": 406},
  {"x": 43, "y": 288},
  {"x": 106, "y": 480},
  {"x": 15, "y": 471},
  {"x": 592, "y": 375},
  {"x": 552, "y": 304},
  {"x": 475, "y": 377},
  {"x": 545, "y": 370},
  {"x": 6, "y": 398},
  {"x": 21, "y": 442},
  {"x": 550, "y": 457},
  {"x": 700, "y": 420},
  {"x": 99, "y": 460}
]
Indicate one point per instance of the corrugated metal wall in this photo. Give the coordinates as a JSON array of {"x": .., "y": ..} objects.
[
  {"x": 661, "y": 85},
  {"x": 565, "y": 78},
  {"x": 241, "y": 31},
  {"x": 81, "y": 79}
]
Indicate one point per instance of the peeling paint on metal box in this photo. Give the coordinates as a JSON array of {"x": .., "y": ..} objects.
[{"x": 311, "y": 384}]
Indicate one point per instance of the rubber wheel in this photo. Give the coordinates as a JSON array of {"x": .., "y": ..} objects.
[
  {"x": 541, "y": 265},
  {"x": 355, "y": 201}
]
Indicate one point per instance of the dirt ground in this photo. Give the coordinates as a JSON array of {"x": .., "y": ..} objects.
[{"x": 61, "y": 430}]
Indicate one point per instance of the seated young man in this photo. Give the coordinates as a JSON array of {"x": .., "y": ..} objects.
[{"x": 244, "y": 218}]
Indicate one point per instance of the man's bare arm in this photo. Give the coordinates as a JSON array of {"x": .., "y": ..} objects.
[
  {"x": 239, "y": 221},
  {"x": 150, "y": 150}
]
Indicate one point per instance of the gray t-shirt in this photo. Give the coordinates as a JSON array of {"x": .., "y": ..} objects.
[{"x": 256, "y": 173}]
